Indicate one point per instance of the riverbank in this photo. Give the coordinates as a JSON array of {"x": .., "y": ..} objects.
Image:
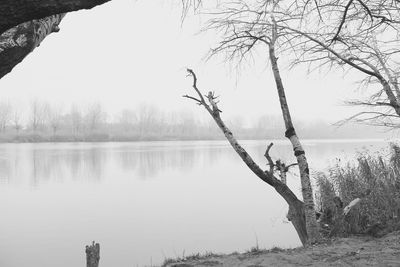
[
  {"x": 106, "y": 138},
  {"x": 352, "y": 251}
]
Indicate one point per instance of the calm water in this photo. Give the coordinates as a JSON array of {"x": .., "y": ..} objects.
[{"x": 143, "y": 201}]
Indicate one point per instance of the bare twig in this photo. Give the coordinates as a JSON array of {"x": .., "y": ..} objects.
[{"x": 346, "y": 9}]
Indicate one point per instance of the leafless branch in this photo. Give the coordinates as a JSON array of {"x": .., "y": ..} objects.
[
  {"x": 346, "y": 9},
  {"x": 291, "y": 165},
  {"x": 269, "y": 159},
  {"x": 214, "y": 111}
]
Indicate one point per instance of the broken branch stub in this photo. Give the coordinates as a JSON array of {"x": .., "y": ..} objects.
[{"x": 269, "y": 159}]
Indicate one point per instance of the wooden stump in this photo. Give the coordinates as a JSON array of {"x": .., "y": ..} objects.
[{"x": 93, "y": 255}]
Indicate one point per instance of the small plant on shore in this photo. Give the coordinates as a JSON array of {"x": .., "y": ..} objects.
[
  {"x": 192, "y": 257},
  {"x": 375, "y": 180}
]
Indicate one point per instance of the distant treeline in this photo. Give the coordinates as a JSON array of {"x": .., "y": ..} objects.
[{"x": 46, "y": 123}]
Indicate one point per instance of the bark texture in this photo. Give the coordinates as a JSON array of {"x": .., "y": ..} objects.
[
  {"x": 19, "y": 41},
  {"x": 15, "y": 12},
  {"x": 93, "y": 255},
  {"x": 309, "y": 209},
  {"x": 296, "y": 207},
  {"x": 296, "y": 216}
]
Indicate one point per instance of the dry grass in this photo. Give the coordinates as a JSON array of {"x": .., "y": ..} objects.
[{"x": 375, "y": 179}]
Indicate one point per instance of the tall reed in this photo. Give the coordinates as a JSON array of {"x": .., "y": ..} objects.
[{"x": 375, "y": 179}]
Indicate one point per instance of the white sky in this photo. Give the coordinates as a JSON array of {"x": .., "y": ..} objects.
[{"x": 129, "y": 52}]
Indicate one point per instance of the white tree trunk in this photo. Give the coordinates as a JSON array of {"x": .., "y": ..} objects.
[
  {"x": 306, "y": 189},
  {"x": 296, "y": 207}
]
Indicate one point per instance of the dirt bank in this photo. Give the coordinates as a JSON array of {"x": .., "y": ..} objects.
[{"x": 354, "y": 251}]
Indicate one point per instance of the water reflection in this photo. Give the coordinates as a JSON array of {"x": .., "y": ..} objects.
[
  {"x": 38, "y": 164},
  {"x": 148, "y": 163},
  {"x": 5, "y": 169},
  {"x": 43, "y": 163},
  {"x": 142, "y": 201}
]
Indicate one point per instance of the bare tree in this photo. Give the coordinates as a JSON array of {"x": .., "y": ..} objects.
[
  {"x": 370, "y": 13},
  {"x": 171, "y": 121},
  {"x": 55, "y": 118},
  {"x": 296, "y": 207},
  {"x": 244, "y": 26},
  {"x": 76, "y": 119},
  {"x": 127, "y": 119},
  {"x": 187, "y": 123},
  {"x": 354, "y": 35},
  {"x": 272, "y": 124},
  {"x": 148, "y": 118},
  {"x": 39, "y": 114},
  {"x": 95, "y": 116},
  {"x": 16, "y": 120},
  {"x": 5, "y": 115},
  {"x": 237, "y": 123},
  {"x": 360, "y": 36}
]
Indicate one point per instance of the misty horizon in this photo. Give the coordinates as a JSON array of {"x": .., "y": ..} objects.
[{"x": 46, "y": 122}]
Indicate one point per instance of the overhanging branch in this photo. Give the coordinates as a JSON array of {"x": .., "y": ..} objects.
[
  {"x": 19, "y": 41},
  {"x": 15, "y": 12}
]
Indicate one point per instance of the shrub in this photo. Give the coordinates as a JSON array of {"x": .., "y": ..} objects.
[{"x": 373, "y": 178}]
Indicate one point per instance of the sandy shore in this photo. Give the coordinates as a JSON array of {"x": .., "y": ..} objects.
[{"x": 354, "y": 251}]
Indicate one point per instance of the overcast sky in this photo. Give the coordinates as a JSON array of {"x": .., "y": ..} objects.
[{"x": 129, "y": 52}]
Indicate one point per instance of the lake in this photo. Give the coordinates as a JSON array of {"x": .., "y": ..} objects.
[{"x": 145, "y": 201}]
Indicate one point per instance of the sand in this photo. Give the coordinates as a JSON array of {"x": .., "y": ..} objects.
[{"x": 353, "y": 251}]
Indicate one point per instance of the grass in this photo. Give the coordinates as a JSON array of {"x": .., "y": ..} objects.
[
  {"x": 208, "y": 258},
  {"x": 192, "y": 257},
  {"x": 373, "y": 178}
]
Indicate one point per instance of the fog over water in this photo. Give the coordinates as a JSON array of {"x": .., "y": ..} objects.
[{"x": 144, "y": 201}]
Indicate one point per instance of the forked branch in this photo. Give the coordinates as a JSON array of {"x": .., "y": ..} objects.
[
  {"x": 296, "y": 207},
  {"x": 212, "y": 107},
  {"x": 269, "y": 159},
  {"x": 279, "y": 165}
]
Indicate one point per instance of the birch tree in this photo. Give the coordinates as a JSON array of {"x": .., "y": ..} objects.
[
  {"x": 245, "y": 27},
  {"x": 296, "y": 207},
  {"x": 353, "y": 36}
]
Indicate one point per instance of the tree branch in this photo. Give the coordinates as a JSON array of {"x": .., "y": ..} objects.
[
  {"x": 13, "y": 12},
  {"x": 296, "y": 207},
  {"x": 343, "y": 20},
  {"x": 213, "y": 110},
  {"x": 193, "y": 98},
  {"x": 269, "y": 159},
  {"x": 19, "y": 41}
]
